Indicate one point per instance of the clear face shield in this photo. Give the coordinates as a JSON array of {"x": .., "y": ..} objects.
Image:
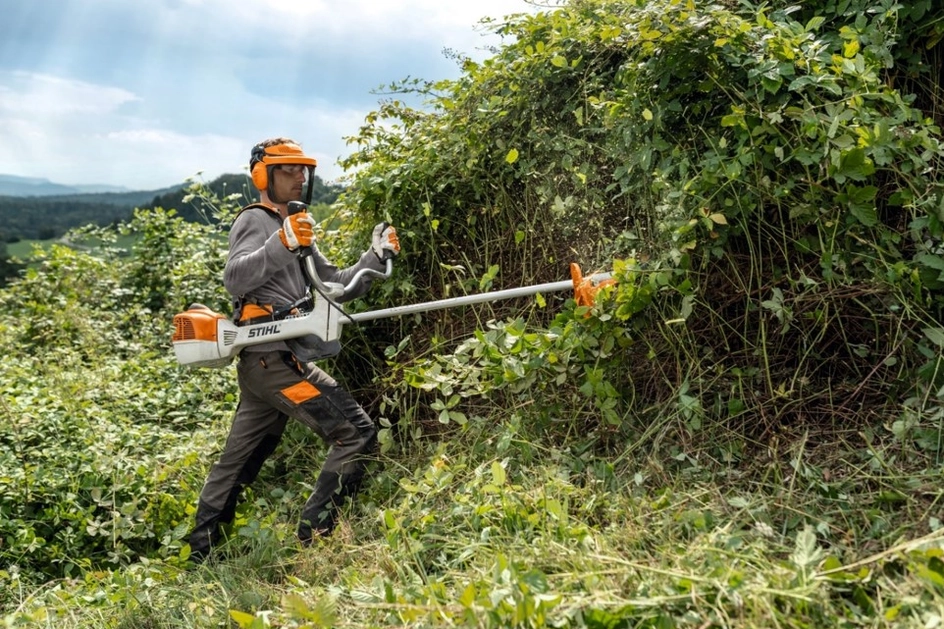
[
  {"x": 302, "y": 173},
  {"x": 294, "y": 170}
]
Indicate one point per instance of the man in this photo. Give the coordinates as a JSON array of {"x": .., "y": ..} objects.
[{"x": 264, "y": 275}]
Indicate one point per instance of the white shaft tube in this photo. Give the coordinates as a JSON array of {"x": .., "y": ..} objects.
[{"x": 441, "y": 304}]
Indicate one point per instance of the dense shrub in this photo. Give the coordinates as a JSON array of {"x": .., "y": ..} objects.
[
  {"x": 97, "y": 447},
  {"x": 770, "y": 196}
]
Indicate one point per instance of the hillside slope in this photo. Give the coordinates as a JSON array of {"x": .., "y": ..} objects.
[{"x": 744, "y": 431}]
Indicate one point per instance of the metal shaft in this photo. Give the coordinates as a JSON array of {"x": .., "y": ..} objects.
[{"x": 452, "y": 302}]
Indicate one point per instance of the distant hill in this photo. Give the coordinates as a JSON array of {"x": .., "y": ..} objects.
[
  {"x": 13, "y": 185},
  {"x": 130, "y": 199},
  {"x": 42, "y": 217}
]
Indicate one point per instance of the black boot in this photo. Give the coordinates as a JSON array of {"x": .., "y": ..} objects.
[
  {"x": 206, "y": 532},
  {"x": 319, "y": 516}
]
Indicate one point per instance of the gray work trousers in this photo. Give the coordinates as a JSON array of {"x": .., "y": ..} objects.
[{"x": 273, "y": 387}]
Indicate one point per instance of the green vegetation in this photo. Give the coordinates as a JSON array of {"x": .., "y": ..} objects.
[{"x": 745, "y": 431}]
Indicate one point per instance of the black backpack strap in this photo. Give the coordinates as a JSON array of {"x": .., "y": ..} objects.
[
  {"x": 261, "y": 206},
  {"x": 239, "y": 302}
]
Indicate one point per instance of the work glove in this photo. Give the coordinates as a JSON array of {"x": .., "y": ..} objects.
[
  {"x": 297, "y": 231},
  {"x": 385, "y": 242}
]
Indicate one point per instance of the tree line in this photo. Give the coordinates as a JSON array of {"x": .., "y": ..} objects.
[{"x": 47, "y": 217}]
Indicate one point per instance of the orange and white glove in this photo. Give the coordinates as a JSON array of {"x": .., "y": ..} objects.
[
  {"x": 297, "y": 231},
  {"x": 385, "y": 242}
]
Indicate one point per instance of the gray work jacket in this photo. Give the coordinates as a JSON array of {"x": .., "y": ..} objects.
[{"x": 261, "y": 270}]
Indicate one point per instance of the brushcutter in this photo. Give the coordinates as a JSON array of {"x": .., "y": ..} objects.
[{"x": 204, "y": 338}]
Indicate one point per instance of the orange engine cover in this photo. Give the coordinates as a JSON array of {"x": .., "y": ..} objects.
[{"x": 198, "y": 323}]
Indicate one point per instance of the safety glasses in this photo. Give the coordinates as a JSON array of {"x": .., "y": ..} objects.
[{"x": 294, "y": 170}]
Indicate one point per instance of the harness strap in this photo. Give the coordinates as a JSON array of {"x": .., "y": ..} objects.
[
  {"x": 261, "y": 206},
  {"x": 246, "y": 312}
]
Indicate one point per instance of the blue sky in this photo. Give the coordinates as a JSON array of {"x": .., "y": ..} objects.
[{"x": 146, "y": 94}]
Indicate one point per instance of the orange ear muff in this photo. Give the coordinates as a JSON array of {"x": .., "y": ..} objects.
[
  {"x": 260, "y": 178},
  {"x": 257, "y": 169}
]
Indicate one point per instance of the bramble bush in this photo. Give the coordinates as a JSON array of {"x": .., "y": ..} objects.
[
  {"x": 98, "y": 452},
  {"x": 767, "y": 196}
]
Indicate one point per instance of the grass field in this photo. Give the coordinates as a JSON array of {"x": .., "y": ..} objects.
[{"x": 23, "y": 249}]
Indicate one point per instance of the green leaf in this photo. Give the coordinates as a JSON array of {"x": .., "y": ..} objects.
[
  {"x": 649, "y": 34},
  {"x": 928, "y": 573},
  {"x": 806, "y": 552},
  {"x": 935, "y": 335},
  {"x": 855, "y": 165},
  {"x": 363, "y": 596},
  {"x": 468, "y": 596},
  {"x": 771, "y": 83},
  {"x": 297, "y": 606},
  {"x": 850, "y": 49},
  {"x": 578, "y": 114},
  {"x": 558, "y": 61},
  {"x": 931, "y": 261},
  {"x": 832, "y": 563},
  {"x": 554, "y": 508},
  {"x": 242, "y": 619},
  {"x": 864, "y": 194},
  {"x": 498, "y": 474},
  {"x": 865, "y": 214},
  {"x": 647, "y": 114}
]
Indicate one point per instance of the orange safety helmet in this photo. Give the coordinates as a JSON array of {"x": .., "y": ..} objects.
[{"x": 263, "y": 158}]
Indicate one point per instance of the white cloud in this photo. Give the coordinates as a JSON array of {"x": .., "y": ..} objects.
[
  {"x": 390, "y": 20},
  {"x": 146, "y": 95},
  {"x": 32, "y": 94},
  {"x": 74, "y": 132},
  {"x": 138, "y": 154}
]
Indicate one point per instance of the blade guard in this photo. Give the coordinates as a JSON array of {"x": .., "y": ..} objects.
[{"x": 585, "y": 290}]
